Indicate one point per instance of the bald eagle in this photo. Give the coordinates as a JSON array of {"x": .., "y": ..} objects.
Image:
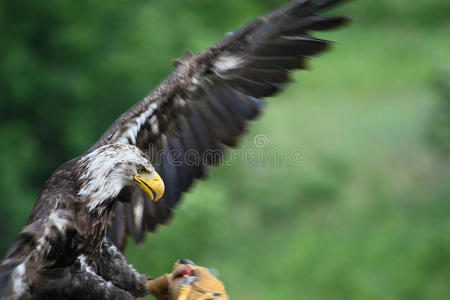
[{"x": 71, "y": 246}]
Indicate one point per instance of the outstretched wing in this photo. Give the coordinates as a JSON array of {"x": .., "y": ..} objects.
[{"x": 205, "y": 103}]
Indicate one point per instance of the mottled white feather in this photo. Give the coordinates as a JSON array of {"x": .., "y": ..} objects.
[
  {"x": 135, "y": 125},
  {"x": 59, "y": 222},
  {"x": 138, "y": 212},
  {"x": 20, "y": 286},
  {"x": 226, "y": 63}
]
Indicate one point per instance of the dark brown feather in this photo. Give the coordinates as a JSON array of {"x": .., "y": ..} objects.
[{"x": 207, "y": 101}]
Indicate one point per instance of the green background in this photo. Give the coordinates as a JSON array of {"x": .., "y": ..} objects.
[{"x": 363, "y": 215}]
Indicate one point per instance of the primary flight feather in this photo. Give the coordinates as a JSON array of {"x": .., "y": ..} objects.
[{"x": 71, "y": 244}]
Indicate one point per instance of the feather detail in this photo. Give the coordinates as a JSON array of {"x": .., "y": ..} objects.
[{"x": 208, "y": 100}]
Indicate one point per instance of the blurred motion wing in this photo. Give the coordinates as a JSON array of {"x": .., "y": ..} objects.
[{"x": 205, "y": 104}]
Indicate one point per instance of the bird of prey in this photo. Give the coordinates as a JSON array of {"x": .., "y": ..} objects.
[{"x": 71, "y": 245}]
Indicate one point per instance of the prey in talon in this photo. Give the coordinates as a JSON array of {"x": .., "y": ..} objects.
[{"x": 188, "y": 282}]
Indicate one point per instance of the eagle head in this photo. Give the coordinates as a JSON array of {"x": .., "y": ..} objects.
[{"x": 108, "y": 169}]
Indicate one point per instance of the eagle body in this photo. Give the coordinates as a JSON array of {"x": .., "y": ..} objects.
[
  {"x": 60, "y": 207},
  {"x": 77, "y": 199},
  {"x": 67, "y": 227},
  {"x": 73, "y": 242}
]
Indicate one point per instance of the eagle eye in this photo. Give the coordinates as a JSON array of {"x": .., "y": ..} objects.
[{"x": 141, "y": 169}]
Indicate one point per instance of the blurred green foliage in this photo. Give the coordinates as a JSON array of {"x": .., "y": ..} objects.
[
  {"x": 440, "y": 123},
  {"x": 365, "y": 215}
]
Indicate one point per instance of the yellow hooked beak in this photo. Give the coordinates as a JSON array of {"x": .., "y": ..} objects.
[{"x": 152, "y": 185}]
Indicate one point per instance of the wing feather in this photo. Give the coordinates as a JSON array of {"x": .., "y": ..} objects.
[{"x": 206, "y": 103}]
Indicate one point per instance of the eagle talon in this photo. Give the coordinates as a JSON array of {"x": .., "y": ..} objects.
[
  {"x": 206, "y": 297},
  {"x": 213, "y": 293},
  {"x": 190, "y": 280}
]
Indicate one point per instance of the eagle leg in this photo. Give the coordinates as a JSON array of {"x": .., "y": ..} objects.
[
  {"x": 91, "y": 286},
  {"x": 113, "y": 267}
]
